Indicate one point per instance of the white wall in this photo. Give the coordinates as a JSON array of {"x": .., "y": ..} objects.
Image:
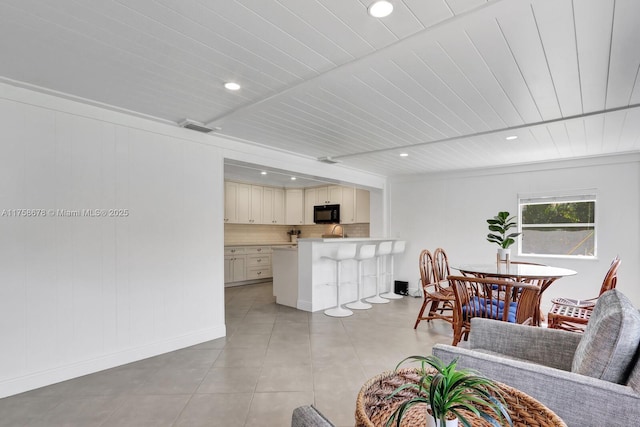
[
  {"x": 450, "y": 210},
  {"x": 82, "y": 294}
]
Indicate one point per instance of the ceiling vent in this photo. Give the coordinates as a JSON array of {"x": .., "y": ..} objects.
[
  {"x": 328, "y": 160},
  {"x": 197, "y": 126}
]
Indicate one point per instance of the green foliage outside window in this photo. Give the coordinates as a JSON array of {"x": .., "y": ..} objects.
[{"x": 559, "y": 213}]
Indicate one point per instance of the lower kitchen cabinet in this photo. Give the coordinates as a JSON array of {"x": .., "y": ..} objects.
[{"x": 247, "y": 263}]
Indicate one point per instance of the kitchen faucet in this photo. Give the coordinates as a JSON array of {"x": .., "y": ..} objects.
[{"x": 334, "y": 229}]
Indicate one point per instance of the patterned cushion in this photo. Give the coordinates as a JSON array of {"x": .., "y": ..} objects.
[
  {"x": 610, "y": 340},
  {"x": 495, "y": 310}
]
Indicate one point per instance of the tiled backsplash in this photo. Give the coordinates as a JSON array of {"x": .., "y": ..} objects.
[{"x": 256, "y": 233}]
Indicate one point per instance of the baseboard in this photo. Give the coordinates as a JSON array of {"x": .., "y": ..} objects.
[
  {"x": 305, "y": 305},
  {"x": 39, "y": 379}
]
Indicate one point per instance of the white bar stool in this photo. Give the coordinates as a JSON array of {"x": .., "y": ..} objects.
[
  {"x": 398, "y": 248},
  {"x": 365, "y": 252},
  {"x": 344, "y": 252},
  {"x": 382, "y": 250}
]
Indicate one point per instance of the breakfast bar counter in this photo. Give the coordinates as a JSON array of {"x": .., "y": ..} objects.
[{"x": 312, "y": 277}]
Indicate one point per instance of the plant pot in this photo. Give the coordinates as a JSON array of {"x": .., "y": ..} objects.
[
  {"x": 432, "y": 422},
  {"x": 503, "y": 254},
  {"x": 294, "y": 238}
]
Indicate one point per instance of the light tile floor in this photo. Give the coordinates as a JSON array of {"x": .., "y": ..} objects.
[{"x": 273, "y": 359}]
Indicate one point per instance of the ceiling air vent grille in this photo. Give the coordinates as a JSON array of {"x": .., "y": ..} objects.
[
  {"x": 328, "y": 160},
  {"x": 197, "y": 126}
]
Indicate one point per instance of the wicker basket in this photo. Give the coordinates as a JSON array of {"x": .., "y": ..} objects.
[{"x": 373, "y": 407}]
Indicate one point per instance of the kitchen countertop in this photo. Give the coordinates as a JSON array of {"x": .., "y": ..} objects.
[
  {"x": 259, "y": 244},
  {"x": 345, "y": 239}
]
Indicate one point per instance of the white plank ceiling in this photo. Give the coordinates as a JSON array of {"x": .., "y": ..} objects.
[{"x": 444, "y": 81}]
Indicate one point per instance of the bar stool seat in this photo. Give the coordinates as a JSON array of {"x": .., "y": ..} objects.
[
  {"x": 344, "y": 251},
  {"x": 398, "y": 248},
  {"x": 365, "y": 252},
  {"x": 382, "y": 250}
]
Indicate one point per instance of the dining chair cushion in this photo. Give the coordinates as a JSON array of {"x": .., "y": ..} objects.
[
  {"x": 494, "y": 311},
  {"x": 610, "y": 340}
]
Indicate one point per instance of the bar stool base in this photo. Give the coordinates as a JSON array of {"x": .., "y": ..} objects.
[
  {"x": 377, "y": 300},
  {"x": 391, "y": 295},
  {"x": 358, "y": 305},
  {"x": 338, "y": 312}
]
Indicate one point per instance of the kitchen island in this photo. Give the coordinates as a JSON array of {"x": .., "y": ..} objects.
[{"x": 305, "y": 280}]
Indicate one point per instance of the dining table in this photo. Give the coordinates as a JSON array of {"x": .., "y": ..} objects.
[{"x": 540, "y": 275}]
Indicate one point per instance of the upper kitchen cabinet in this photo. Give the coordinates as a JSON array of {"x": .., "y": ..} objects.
[
  {"x": 243, "y": 203},
  {"x": 294, "y": 206},
  {"x": 273, "y": 205},
  {"x": 354, "y": 203},
  {"x": 362, "y": 206}
]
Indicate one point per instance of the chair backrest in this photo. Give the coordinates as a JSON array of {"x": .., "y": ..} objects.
[
  {"x": 346, "y": 251},
  {"x": 366, "y": 252},
  {"x": 441, "y": 264},
  {"x": 398, "y": 246},
  {"x": 384, "y": 248},
  {"x": 611, "y": 278},
  {"x": 492, "y": 298},
  {"x": 427, "y": 273}
]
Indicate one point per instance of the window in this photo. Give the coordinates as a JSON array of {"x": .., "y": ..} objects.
[{"x": 558, "y": 226}]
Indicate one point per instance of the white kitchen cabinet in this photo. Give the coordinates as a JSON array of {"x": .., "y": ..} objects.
[
  {"x": 244, "y": 263},
  {"x": 294, "y": 206},
  {"x": 235, "y": 264},
  {"x": 259, "y": 263},
  {"x": 329, "y": 195},
  {"x": 348, "y": 206},
  {"x": 362, "y": 206},
  {"x": 243, "y": 203},
  {"x": 273, "y": 205},
  {"x": 230, "y": 202}
]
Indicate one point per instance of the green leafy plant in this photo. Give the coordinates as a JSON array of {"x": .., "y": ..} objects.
[
  {"x": 450, "y": 390},
  {"x": 500, "y": 224}
]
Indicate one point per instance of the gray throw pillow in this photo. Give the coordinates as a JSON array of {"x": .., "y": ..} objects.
[
  {"x": 634, "y": 376},
  {"x": 610, "y": 339}
]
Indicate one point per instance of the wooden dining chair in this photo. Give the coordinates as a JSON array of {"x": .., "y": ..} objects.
[
  {"x": 572, "y": 314},
  {"x": 439, "y": 297},
  {"x": 441, "y": 264},
  {"x": 491, "y": 298}
]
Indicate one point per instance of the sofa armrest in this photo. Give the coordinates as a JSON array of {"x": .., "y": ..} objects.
[
  {"x": 577, "y": 399},
  {"x": 308, "y": 416},
  {"x": 549, "y": 347}
]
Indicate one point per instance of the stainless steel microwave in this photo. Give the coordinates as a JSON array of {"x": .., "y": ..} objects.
[{"x": 326, "y": 214}]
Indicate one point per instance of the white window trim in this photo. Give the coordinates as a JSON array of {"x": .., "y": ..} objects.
[{"x": 560, "y": 196}]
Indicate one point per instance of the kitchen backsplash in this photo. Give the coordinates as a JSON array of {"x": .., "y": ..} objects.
[{"x": 256, "y": 233}]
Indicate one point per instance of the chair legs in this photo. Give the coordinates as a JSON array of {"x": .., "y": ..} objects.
[
  {"x": 338, "y": 311},
  {"x": 424, "y": 305},
  {"x": 377, "y": 299},
  {"x": 359, "y": 304},
  {"x": 391, "y": 294}
]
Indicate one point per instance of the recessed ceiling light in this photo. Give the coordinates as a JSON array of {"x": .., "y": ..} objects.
[
  {"x": 263, "y": 173},
  {"x": 404, "y": 154},
  {"x": 293, "y": 178},
  {"x": 511, "y": 138},
  {"x": 380, "y": 9},
  {"x": 232, "y": 86}
]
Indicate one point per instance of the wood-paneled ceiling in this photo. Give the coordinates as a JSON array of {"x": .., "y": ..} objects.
[{"x": 445, "y": 81}]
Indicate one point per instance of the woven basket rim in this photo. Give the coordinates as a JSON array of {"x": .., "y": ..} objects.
[{"x": 512, "y": 396}]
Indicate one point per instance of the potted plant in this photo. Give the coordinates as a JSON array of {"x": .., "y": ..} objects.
[
  {"x": 447, "y": 392},
  {"x": 294, "y": 234},
  {"x": 500, "y": 224}
]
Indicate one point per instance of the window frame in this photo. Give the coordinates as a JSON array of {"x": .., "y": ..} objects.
[{"x": 560, "y": 197}]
